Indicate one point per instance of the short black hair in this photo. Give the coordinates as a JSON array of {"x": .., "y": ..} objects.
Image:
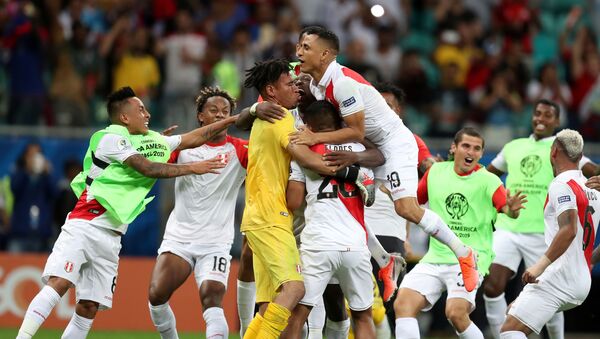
[
  {"x": 306, "y": 29},
  {"x": 209, "y": 92},
  {"x": 322, "y": 114},
  {"x": 328, "y": 36},
  {"x": 116, "y": 100},
  {"x": 388, "y": 87},
  {"x": 265, "y": 73},
  {"x": 548, "y": 103},
  {"x": 470, "y": 131}
]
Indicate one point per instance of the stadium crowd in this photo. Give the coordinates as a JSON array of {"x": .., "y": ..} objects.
[{"x": 475, "y": 61}]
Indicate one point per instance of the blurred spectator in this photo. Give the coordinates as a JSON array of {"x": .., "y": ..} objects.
[
  {"x": 451, "y": 102},
  {"x": 219, "y": 71},
  {"x": 550, "y": 87},
  {"x": 33, "y": 191},
  {"x": 387, "y": 56},
  {"x": 585, "y": 67},
  {"x": 225, "y": 16},
  {"x": 500, "y": 105},
  {"x": 243, "y": 53},
  {"x": 265, "y": 24},
  {"x": 65, "y": 198},
  {"x": 355, "y": 57},
  {"x": 25, "y": 41},
  {"x": 184, "y": 51},
  {"x": 338, "y": 13},
  {"x": 361, "y": 26},
  {"x": 129, "y": 49}
]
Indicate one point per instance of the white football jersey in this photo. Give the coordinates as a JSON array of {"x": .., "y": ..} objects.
[
  {"x": 570, "y": 273},
  {"x": 205, "y": 204},
  {"x": 382, "y": 218},
  {"x": 334, "y": 212},
  {"x": 112, "y": 148},
  {"x": 351, "y": 93}
]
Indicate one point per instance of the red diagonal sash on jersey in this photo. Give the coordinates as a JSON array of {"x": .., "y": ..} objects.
[{"x": 585, "y": 218}]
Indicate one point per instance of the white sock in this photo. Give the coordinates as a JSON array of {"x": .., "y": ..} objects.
[
  {"x": 407, "y": 328},
  {"x": 37, "y": 312},
  {"x": 316, "y": 321},
  {"x": 337, "y": 329},
  {"x": 383, "y": 329},
  {"x": 216, "y": 324},
  {"x": 513, "y": 335},
  {"x": 381, "y": 256},
  {"x": 433, "y": 225},
  {"x": 164, "y": 320},
  {"x": 556, "y": 326},
  {"x": 246, "y": 298},
  {"x": 472, "y": 332},
  {"x": 495, "y": 311},
  {"x": 78, "y": 327}
]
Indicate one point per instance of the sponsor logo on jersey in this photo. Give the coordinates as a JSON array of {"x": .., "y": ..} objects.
[
  {"x": 69, "y": 267},
  {"x": 530, "y": 165},
  {"x": 457, "y": 205},
  {"x": 348, "y": 102},
  {"x": 563, "y": 199}
]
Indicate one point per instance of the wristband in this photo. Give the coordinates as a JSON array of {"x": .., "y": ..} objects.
[{"x": 253, "y": 109}]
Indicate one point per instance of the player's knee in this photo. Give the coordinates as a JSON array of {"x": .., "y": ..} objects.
[
  {"x": 404, "y": 307},
  {"x": 458, "y": 318},
  {"x": 157, "y": 296},
  {"x": 409, "y": 209},
  {"x": 492, "y": 288},
  {"x": 87, "y": 309},
  {"x": 60, "y": 285},
  {"x": 211, "y": 294},
  {"x": 294, "y": 289},
  {"x": 362, "y": 316}
]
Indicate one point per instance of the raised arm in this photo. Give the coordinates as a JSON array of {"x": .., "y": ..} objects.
[
  {"x": 514, "y": 204},
  {"x": 153, "y": 169},
  {"x": 263, "y": 110},
  {"x": 203, "y": 134}
]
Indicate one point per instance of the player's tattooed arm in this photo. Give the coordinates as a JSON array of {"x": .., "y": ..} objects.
[
  {"x": 203, "y": 134},
  {"x": 153, "y": 169}
]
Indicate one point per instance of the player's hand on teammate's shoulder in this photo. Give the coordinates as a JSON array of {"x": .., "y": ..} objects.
[
  {"x": 269, "y": 111},
  {"x": 303, "y": 136},
  {"x": 594, "y": 182},
  {"x": 208, "y": 166}
]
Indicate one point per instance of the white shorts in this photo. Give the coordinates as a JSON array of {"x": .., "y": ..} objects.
[
  {"x": 352, "y": 270},
  {"x": 399, "y": 173},
  {"x": 536, "y": 305},
  {"x": 209, "y": 262},
  {"x": 88, "y": 257},
  {"x": 431, "y": 280},
  {"x": 510, "y": 248}
]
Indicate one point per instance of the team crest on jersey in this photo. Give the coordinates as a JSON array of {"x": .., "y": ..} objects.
[
  {"x": 457, "y": 205},
  {"x": 530, "y": 165},
  {"x": 69, "y": 267},
  {"x": 348, "y": 102}
]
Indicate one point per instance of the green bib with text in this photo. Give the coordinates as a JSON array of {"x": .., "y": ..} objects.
[
  {"x": 465, "y": 204},
  {"x": 119, "y": 188},
  {"x": 529, "y": 171}
]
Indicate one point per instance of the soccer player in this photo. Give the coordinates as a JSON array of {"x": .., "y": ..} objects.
[
  {"x": 199, "y": 231},
  {"x": 267, "y": 222},
  {"x": 468, "y": 198},
  {"x": 367, "y": 115},
  {"x": 527, "y": 162},
  {"x": 118, "y": 172},
  {"x": 560, "y": 279},
  {"x": 334, "y": 239}
]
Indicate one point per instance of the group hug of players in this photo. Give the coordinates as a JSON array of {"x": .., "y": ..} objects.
[{"x": 331, "y": 179}]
